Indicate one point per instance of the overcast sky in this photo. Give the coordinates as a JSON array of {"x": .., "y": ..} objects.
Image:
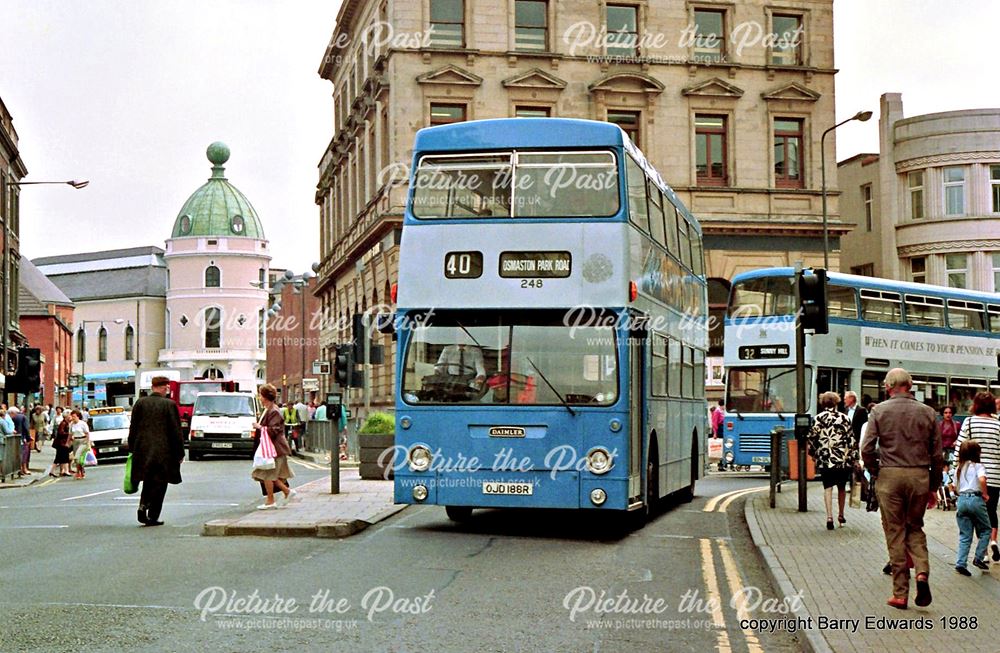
[{"x": 129, "y": 93}]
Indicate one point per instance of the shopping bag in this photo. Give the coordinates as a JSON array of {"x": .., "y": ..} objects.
[
  {"x": 264, "y": 457},
  {"x": 856, "y": 494},
  {"x": 91, "y": 458},
  {"x": 127, "y": 485}
]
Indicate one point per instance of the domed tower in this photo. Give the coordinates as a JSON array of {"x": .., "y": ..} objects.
[{"x": 217, "y": 264}]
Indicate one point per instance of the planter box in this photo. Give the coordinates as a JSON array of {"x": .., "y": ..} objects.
[{"x": 372, "y": 447}]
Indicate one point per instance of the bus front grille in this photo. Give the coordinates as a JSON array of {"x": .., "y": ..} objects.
[{"x": 754, "y": 443}]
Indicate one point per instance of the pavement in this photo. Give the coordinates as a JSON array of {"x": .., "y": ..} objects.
[
  {"x": 314, "y": 512},
  {"x": 38, "y": 466},
  {"x": 839, "y": 576}
]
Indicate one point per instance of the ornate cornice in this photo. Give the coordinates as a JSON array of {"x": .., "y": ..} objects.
[
  {"x": 943, "y": 159},
  {"x": 949, "y": 246}
]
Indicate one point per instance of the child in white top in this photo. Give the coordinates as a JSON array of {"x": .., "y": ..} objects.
[{"x": 970, "y": 477}]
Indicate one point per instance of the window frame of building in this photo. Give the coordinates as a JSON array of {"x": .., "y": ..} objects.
[
  {"x": 995, "y": 188},
  {"x": 612, "y": 49},
  {"x": 786, "y": 136},
  {"x": 129, "y": 343},
  {"x": 915, "y": 188},
  {"x": 866, "y": 198},
  {"x": 951, "y": 270},
  {"x": 213, "y": 276},
  {"x": 527, "y": 28},
  {"x": 995, "y": 257},
  {"x": 446, "y": 42},
  {"x": 863, "y": 270},
  {"x": 261, "y": 327},
  {"x": 778, "y": 56},
  {"x": 102, "y": 344},
  {"x": 952, "y": 185},
  {"x": 634, "y": 133},
  {"x": 918, "y": 271},
  {"x": 463, "y": 106},
  {"x": 707, "y": 54},
  {"x": 525, "y": 111},
  {"x": 210, "y": 330},
  {"x": 711, "y": 133},
  {"x": 81, "y": 345}
]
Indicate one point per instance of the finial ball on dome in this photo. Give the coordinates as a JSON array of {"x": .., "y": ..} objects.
[{"x": 218, "y": 153}]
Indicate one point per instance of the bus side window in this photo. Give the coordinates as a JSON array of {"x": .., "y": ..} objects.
[
  {"x": 842, "y": 302},
  {"x": 655, "y": 213},
  {"x": 674, "y": 368},
  {"x": 670, "y": 218},
  {"x": 636, "y": 194}
]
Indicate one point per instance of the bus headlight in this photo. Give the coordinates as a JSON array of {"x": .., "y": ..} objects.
[
  {"x": 419, "y": 458},
  {"x": 197, "y": 434},
  {"x": 729, "y": 456},
  {"x": 598, "y": 497},
  {"x": 599, "y": 461},
  {"x": 419, "y": 492},
  {"x": 729, "y": 443}
]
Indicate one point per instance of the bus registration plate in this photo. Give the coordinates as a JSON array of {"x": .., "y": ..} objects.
[
  {"x": 760, "y": 459},
  {"x": 524, "y": 489}
]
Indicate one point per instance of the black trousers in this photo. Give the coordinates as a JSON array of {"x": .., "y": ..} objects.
[{"x": 151, "y": 498}]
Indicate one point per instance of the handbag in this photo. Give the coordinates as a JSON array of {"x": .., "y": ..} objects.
[
  {"x": 263, "y": 457},
  {"x": 90, "y": 460},
  {"x": 127, "y": 485}
]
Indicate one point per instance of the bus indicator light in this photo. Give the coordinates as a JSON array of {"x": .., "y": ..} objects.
[{"x": 633, "y": 291}]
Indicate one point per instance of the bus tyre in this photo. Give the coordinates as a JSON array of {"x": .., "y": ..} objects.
[
  {"x": 458, "y": 513},
  {"x": 652, "y": 483},
  {"x": 686, "y": 495}
]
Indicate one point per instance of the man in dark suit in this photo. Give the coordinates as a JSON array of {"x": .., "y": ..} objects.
[
  {"x": 855, "y": 413},
  {"x": 157, "y": 448}
]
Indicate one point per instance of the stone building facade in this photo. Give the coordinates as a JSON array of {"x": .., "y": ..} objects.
[
  {"x": 928, "y": 204},
  {"x": 733, "y": 123},
  {"x": 12, "y": 170}
]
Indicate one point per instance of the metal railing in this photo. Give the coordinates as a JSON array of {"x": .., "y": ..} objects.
[
  {"x": 10, "y": 457},
  {"x": 320, "y": 435}
]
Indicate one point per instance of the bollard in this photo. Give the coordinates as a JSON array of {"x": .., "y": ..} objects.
[{"x": 777, "y": 434}]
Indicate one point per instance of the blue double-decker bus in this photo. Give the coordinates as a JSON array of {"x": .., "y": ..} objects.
[
  {"x": 947, "y": 338},
  {"x": 551, "y": 320}
]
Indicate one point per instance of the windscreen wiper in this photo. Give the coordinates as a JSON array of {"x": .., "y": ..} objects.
[{"x": 552, "y": 388}]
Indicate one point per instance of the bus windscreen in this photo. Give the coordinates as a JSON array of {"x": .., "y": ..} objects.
[{"x": 519, "y": 185}]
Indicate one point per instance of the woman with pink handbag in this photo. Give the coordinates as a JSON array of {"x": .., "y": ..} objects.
[{"x": 271, "y": 456}]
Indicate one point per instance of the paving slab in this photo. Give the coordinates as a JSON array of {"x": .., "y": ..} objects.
[
  {"x": 314, "y": 512},
  {"x": 839, "y": 575}
]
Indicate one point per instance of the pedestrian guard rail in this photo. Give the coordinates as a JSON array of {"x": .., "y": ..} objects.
[
  {"x": 10, "y": 457},
  {"x": 321, "y": 435}
]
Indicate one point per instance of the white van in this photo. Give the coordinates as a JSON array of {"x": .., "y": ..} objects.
[
  {"x": 109, "y": 431},
  {"x": 222, "y": 423}
]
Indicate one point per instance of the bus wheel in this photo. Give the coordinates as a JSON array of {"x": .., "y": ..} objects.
[
  {"x": 652, "y": 482},
  {"x": 458, "y": 513},
  {"x": 686, "y": 495}
]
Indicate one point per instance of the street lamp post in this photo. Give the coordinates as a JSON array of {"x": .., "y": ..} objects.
[
  {"x": 83, "y": 362},
  {"x": 6, "y": 289},
  {"x": 860, "y": 116}
]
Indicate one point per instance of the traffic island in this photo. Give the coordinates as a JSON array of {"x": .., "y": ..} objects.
[{"x": 314, "y": 512}]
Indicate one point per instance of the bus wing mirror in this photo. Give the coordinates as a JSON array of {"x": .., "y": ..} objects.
[{"x": 386, "y": 323}]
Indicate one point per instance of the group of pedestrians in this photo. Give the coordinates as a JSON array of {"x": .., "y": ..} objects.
[{"x": 907, "y": 451}]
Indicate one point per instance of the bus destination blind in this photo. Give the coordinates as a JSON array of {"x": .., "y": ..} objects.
[
  {"x": 544, "y": 265},
  {"x": 759, "y": 352}
]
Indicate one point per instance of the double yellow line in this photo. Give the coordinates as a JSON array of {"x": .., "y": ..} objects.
[
  {"x": 721, "y": 502},
  {"x": 722, "y": 643}
]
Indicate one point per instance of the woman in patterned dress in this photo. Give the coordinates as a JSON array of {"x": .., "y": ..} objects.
[{"x": 835, "y": 449}]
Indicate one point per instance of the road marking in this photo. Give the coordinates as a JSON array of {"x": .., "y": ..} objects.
[
  {"x": 308, "y": 465},
  {"x": 38, "y": 526},
  {"x": 92, "y": 494},
  {"x": 714, "y": 599},
  {"x": 48, "y": 481},
  {"x": 732, "y": 575},
  {"x": 714, "y": 501},
  {"x": 725, "y": 504}
]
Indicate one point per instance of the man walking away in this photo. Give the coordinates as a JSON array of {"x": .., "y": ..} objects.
[
  {"x": 154, "y": 440},
  {"x": 902, "y": 451}
]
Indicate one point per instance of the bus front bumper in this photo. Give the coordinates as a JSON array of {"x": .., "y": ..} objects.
[{"x": 489, "y": 489}]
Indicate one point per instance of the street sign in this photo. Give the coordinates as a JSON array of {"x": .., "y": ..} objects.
[
  {"x": 310, "y": 385},
  {"x": 321, "y": 368}
]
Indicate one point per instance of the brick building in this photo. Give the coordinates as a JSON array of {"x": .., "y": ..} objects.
[{"x": 46, "y": 320}]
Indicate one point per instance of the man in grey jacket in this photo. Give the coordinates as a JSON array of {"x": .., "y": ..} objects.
[{"x": 902, "y": 451}]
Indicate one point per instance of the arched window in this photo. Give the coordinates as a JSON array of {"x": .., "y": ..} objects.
[
  {"x": 388, "y": 293},
  {"x": 129, "y": 343},
  {"x": 213, "y": 373},
  {"x": 81, "y": 346},
  {"x": 213, "y": 328},
  {"x": 213, "y": 277},
  {"x": 102, "y": 344}
]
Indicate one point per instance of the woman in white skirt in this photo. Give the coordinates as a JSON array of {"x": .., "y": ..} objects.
[{"x": 272, "y": 425}]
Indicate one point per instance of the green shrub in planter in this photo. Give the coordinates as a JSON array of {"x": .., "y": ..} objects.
[{"x": 376, "y": 435}]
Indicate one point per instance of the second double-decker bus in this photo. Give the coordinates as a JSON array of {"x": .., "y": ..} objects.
[
  {"x": 551, "y": 317},
  {"x": 947, "y": 338}
]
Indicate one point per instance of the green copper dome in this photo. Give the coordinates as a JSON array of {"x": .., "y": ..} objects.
[{"x": 218, "y": 208}]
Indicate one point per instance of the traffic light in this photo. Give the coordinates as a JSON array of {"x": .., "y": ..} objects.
[
  {"x": 29, "y": 367},
  {"x": 343, "y": 365},
  {"x": 359, "y": 333},
  {"x": 812, "y": 300}
]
